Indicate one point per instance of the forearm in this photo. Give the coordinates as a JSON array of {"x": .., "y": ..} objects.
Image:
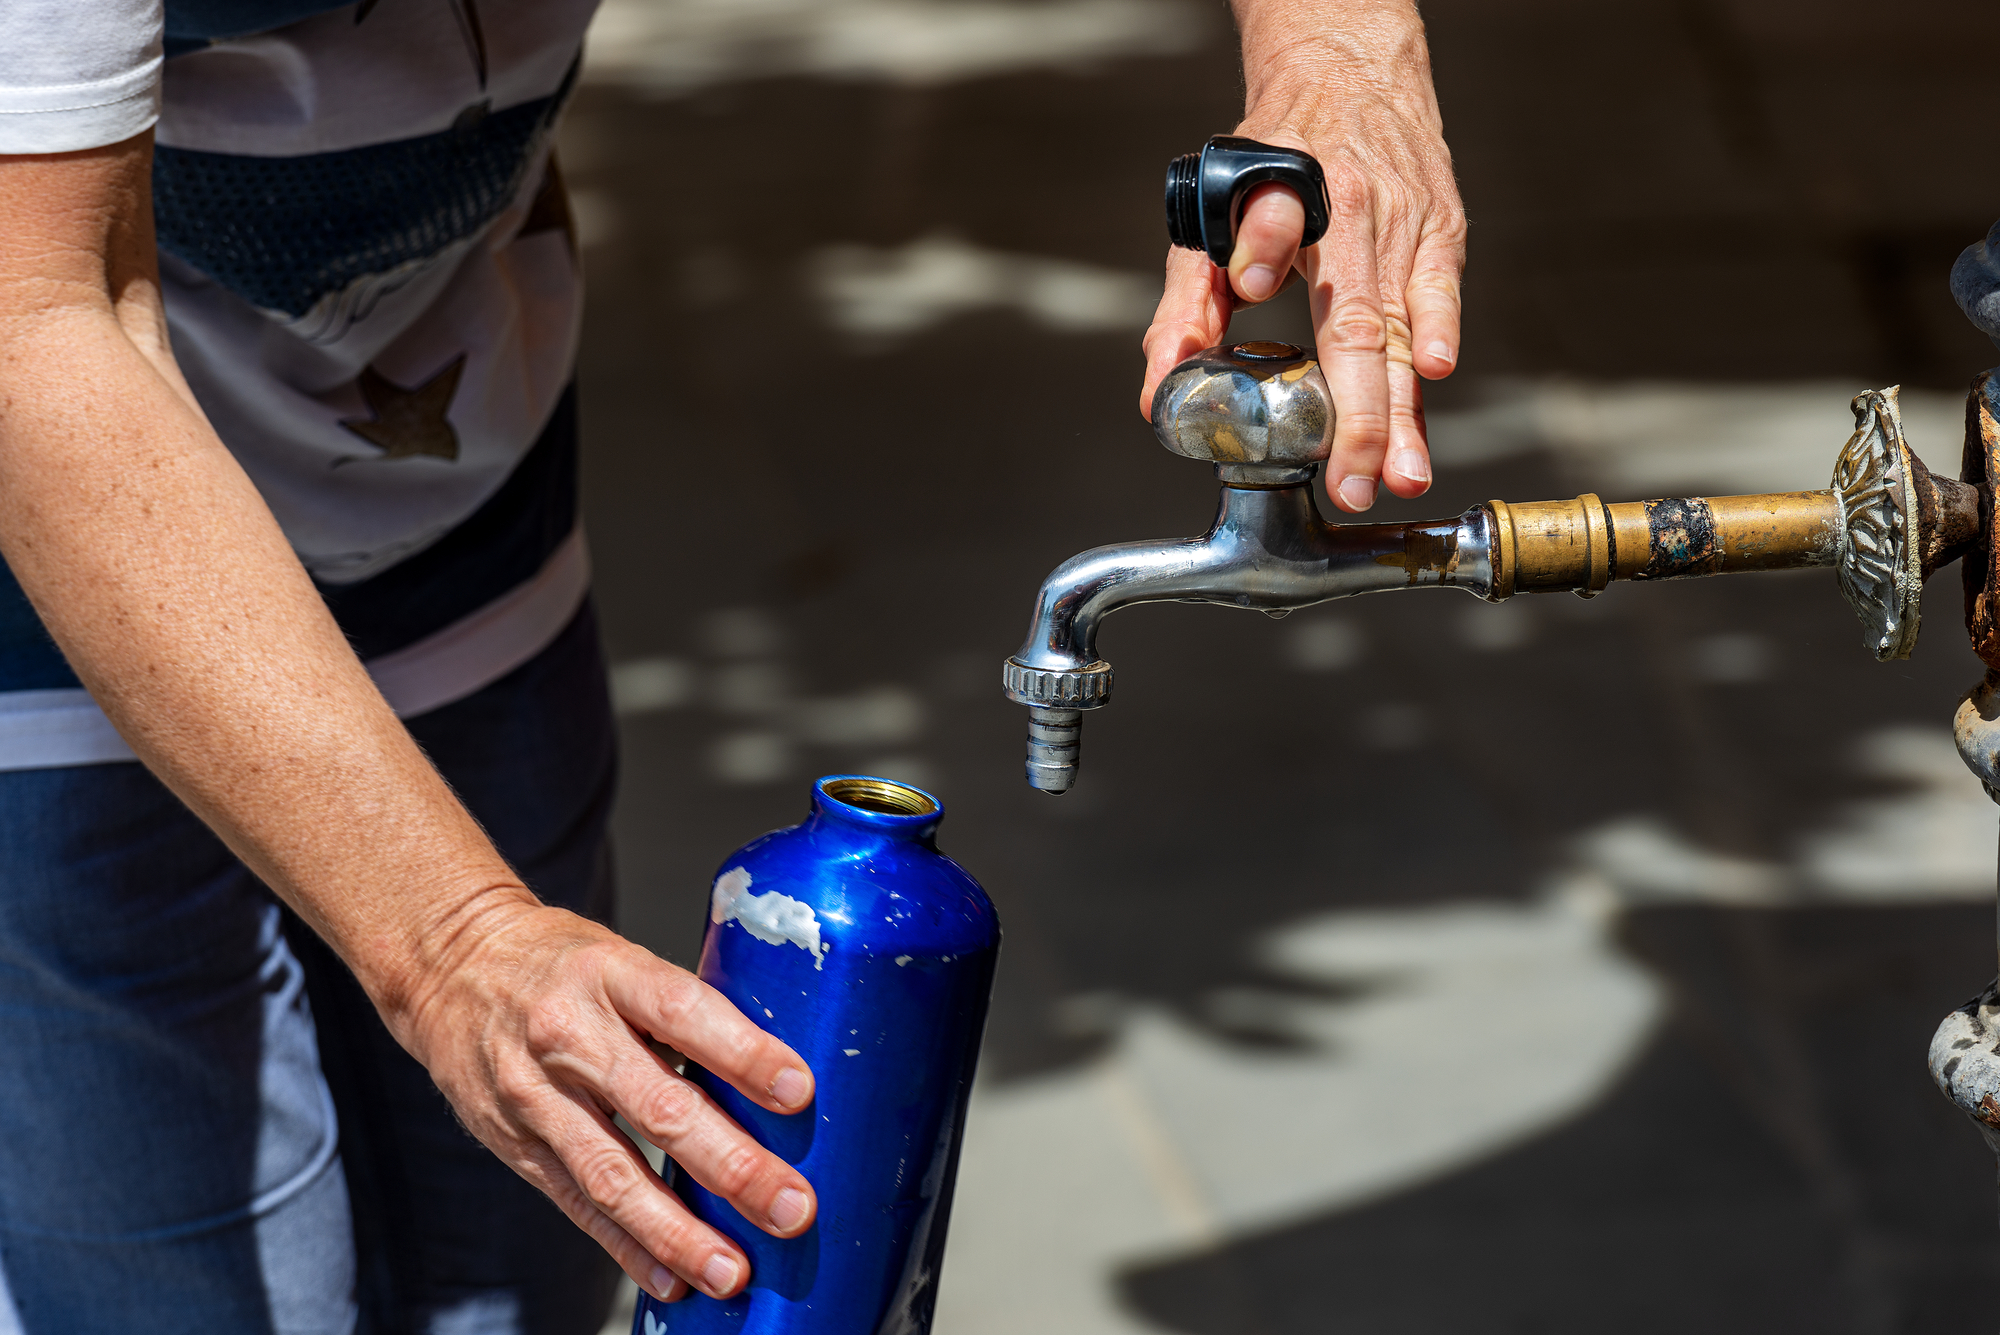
[
  {"x": 1305, "y": 60},
  {"x": 167, "y": 583}
]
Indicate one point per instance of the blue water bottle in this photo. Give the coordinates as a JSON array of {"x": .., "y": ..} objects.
[{"x": 854, "y": 940}]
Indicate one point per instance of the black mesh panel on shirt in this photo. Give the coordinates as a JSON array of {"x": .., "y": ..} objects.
[
  {"x": 281, "y": 233},
  {"x": 202, "y": 20}
]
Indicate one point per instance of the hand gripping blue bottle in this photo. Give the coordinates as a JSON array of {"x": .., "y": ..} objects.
[{"x": 854, "y": 940}]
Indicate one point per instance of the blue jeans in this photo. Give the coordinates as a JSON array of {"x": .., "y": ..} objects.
[{"x": 204, "y": 1127}]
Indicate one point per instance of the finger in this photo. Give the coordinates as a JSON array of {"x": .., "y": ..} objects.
[
  {"x": 548, "y": 1175},
  {"x": 601, "y": 1181},
  {"x": 674, "y": 1114},
  {"x": 1406, "y": 469},
  {"x": 1433, "y": 294},
  {"x": 677, "y": 1008},
  {"x": 1406, "y": 472},
  {"x": 1351, "y": 331},
  {"x": 595, "y": 1051},
  {"x": 1193, "y": 314},
  {"x": 1267, "y": 242}
]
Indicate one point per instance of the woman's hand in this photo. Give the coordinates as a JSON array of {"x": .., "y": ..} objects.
[
  {"x": 1349, "y": 82},
  {"x": 537, "y": 1034}
]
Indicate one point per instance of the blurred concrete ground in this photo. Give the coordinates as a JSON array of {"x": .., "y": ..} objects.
[{"x": 1409, "y": 965}]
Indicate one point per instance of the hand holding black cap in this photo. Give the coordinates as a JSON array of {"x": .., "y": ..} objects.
[{"x": 1205, "y": 192}]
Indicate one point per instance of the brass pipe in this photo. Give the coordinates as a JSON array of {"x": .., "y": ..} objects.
[{"x": 1582, "y": 545}]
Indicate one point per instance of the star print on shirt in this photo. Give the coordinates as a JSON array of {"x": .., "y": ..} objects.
[{"x": 407, "y": 422}]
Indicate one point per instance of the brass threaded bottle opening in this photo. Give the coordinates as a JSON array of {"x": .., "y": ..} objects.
[{"x": 881, "y": 795}]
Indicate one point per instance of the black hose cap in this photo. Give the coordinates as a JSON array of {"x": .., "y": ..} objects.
[{"x": 1205, "y": 192}]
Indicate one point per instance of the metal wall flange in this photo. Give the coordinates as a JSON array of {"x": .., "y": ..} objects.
[{"x": 1880, "y": 564}]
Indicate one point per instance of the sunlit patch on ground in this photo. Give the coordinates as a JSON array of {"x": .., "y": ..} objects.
[{"x": 1475, "y": 1025}]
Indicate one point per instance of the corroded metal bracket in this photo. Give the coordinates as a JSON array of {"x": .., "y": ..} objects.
[
  {"x": 1965, "y": 1061},
  {"x": 1981, "y": 468},
  {"x": 1965, "y": 1051}
]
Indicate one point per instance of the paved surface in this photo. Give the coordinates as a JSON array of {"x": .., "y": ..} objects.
[{"x": 1409, "y": 965}]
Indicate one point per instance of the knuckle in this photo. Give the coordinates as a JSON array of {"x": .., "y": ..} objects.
[
  {"x": 669, "y": 1108},
  {"x": 680, "y": 1242},
  {"x": 594, "y": 958},
  {"x": 608, "y": 1179},
  {"x": 1365, "y": 431},
  {"x": 737, "y": 1170},
  {"x": 1395, "y": 202},
  {"x": 517, "y": 1084},
  {"x": 679, "y": 1001},
  {"x": 553, "y": 1023},
  {"x": 1357, "y": 328},
  {"x": 1434, "y": 283},
  {"x": 738, "y": 1046},
  {"x": 1274, "y": 213},
  {"x": 1349, "y": 189}
]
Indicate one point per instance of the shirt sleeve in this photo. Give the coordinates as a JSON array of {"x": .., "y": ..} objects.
[{"x": 77, "y": 74}]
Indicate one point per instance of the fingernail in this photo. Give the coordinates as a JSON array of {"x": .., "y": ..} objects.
[
  {"x": 1357, "y": 492},
  {"x": 719, "y": 1275},
  {"x": 1443, "y": 352},
  {"x": 1412, "y": 465},
  {"x": 661, "y": 1283},
  {"x": 788, "y": 1211},
  {"x": 1259, "y": 281},
  {"x": 791, "y": 1088}
]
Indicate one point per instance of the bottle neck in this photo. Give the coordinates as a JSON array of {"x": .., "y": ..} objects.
[{"x": 880, "y": 807}]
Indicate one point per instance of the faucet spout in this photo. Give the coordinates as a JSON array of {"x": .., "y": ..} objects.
[{"x": 1268, "y": 549}]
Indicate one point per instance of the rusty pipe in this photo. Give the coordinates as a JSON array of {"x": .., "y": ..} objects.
[{"x": 1582, "y": 545}]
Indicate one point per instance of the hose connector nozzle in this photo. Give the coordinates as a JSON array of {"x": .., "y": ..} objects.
[
  {"x": 1055, "y": 747},
  {"x": 1056, "y": 699}
]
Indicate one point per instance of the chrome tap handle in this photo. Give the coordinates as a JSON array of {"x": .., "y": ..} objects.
[{"x": 1261, "y": 411}]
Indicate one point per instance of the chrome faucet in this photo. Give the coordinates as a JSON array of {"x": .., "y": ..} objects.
[{"x": 1261, "y": 414}]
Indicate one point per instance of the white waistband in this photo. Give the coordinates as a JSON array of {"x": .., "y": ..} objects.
[{"x": 47, "y": 729}]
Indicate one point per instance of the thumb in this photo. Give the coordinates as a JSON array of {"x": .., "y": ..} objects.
[{"x": 1193, "y": 314}]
